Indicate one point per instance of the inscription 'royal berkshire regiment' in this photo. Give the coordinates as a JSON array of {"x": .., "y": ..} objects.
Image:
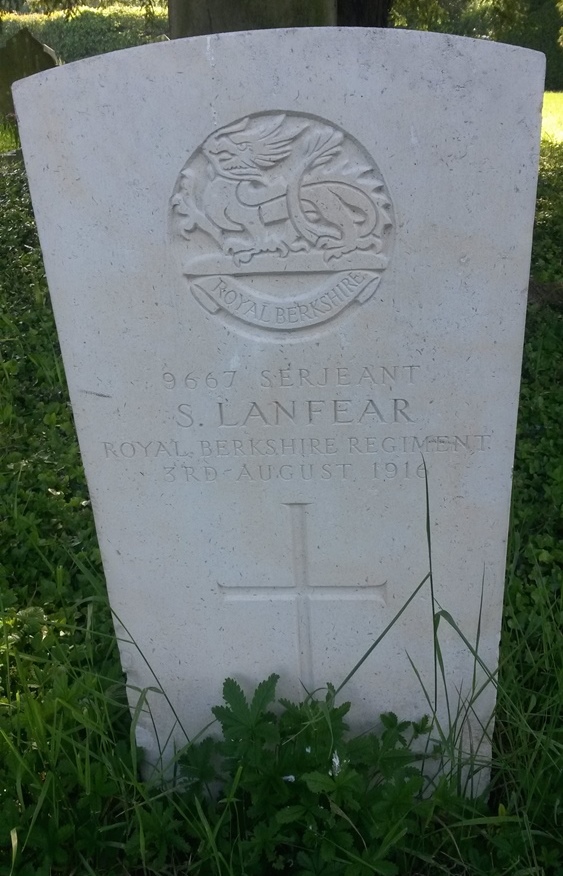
[{"x": 281, "y": 221}]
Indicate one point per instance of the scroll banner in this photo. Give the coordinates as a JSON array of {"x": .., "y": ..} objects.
[{"x": 232, "y": 295}]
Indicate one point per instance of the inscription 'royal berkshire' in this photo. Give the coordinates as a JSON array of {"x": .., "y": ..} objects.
[{"x": 281, "y": 221}]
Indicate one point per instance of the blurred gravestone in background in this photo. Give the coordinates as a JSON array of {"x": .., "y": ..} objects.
[{"x": 22, "y": 56}]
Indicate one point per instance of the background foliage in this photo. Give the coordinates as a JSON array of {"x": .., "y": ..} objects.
[{"x": 89, "y": 31}]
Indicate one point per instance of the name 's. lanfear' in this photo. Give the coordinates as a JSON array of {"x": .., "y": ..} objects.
[{"x": 304, "y": 413}]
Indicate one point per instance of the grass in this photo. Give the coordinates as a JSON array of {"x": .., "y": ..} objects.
[
  {"x": 552, "y": 116},
  {"x": 71, "y": 797},
  {"x": 9, "y": 139}
]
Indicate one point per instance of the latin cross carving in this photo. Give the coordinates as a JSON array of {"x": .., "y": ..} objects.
[{"x": 303, "y": 593}]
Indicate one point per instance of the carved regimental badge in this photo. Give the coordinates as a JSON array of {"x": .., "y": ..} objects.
[{"x": 282, "y": 221}]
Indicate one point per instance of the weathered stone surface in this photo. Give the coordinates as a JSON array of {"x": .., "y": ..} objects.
[{"x": 289, "y": 270}]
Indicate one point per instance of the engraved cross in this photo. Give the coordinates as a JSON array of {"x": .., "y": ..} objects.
[{"x": 303, "y": 593}]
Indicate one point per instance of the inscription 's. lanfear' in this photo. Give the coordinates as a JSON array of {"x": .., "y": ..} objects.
[{"x": 283, "y": 221}]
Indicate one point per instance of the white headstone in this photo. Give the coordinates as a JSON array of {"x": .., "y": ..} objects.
[{"x": 289, "y": 270}]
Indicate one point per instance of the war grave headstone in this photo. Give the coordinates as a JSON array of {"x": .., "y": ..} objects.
[{"x": 289, "y": 271}]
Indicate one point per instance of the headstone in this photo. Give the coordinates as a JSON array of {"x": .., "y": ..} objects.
[
  {"x": 23, "y": 55},
  {"x": 289, "y": 271}
]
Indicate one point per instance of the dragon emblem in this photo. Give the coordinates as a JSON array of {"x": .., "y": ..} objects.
[{"x": 280, "y": 193}]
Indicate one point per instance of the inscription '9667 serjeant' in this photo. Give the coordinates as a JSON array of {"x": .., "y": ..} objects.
[{"x": 281, "y": 221}]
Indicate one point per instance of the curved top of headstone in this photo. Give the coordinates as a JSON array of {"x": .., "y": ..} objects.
[{"x": 364, "y": 39}]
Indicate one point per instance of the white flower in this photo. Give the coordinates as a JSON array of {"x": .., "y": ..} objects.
[
  {"x": 335, "y": 763},
  {"x": 288, "y": 778}
]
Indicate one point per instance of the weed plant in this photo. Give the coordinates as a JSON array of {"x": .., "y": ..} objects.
[
  {"x": 547, "y": 255},
  {"x": 9, "y": 139},
  {"x": 289, "y": 791},
  {"x": 552, "y": 116}
]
